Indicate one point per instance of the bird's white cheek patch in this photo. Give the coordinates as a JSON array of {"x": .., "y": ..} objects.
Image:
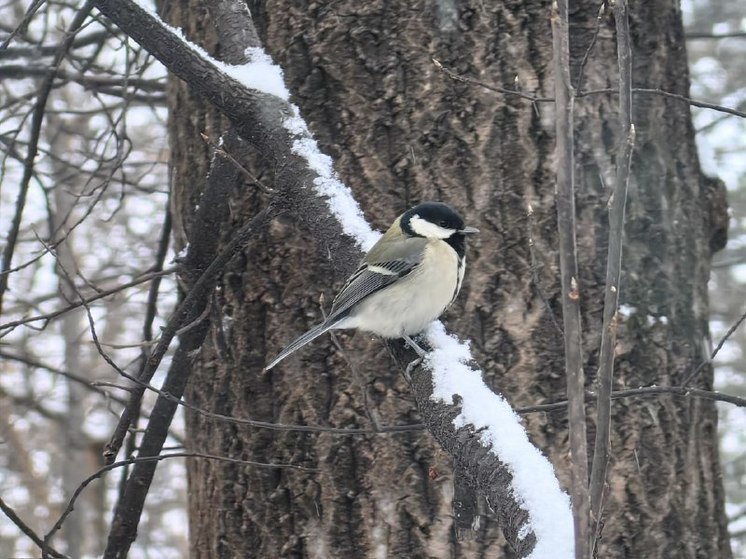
[{"x": 429, "y": 230}]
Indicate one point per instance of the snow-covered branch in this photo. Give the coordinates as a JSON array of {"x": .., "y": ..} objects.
[{"x": 473, "y": 424}]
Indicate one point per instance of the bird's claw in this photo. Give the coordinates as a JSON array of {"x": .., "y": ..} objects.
[
  {"x": 418, "y": 350},
  {"x": 412, "y": 366}
]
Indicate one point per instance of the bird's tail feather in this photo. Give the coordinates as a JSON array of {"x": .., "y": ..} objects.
[{"x": 309, "y": 336}]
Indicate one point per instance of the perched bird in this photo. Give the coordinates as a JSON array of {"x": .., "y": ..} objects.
[{"x": 407, "y": 279}]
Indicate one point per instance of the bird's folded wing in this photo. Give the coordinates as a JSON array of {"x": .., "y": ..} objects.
[{"x": 369, "y": 278}]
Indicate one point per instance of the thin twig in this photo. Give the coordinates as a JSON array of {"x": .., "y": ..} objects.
[
  {"x": 677, "y": 96},
  {"x": 33, "y": 143},
  {"x": 565, "y": 200},
  {"x": 616, "y": 207},
  {"x": 49, "y": 50},
  {"x": 9, "y": 326},
  {"x": 198, "y": 320},
  {"x": 22, "y": 27},
  {"x": 68, "y": 375},
  {"x": 581, "y": 68},
  {"x": 717, "y": 36},
  {"x": 221, "y": 151},
  {"x": 495, "y": 88},
  {"x": 94, "y": 386},
  {"x": 98, "y": 474},
  {"x": 581, "y": 94},
  {"x": 682, "y": 391},
  {"x": 26, "y": 529},
  {"x": 691, "y": 376},
  {"x": 180, "y": 316}
]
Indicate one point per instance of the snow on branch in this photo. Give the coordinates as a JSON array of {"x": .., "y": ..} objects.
[
  {"x": 472, "y": 423},
  {"x": 499, "y": 429}
]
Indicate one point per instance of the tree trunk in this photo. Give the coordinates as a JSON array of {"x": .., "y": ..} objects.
[{"x": 400, "y": 131}]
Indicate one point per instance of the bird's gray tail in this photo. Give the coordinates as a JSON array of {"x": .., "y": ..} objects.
[{"x": 308, "y": 337}]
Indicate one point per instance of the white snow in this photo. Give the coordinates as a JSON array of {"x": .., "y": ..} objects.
[
  {"x": 342, "y": 204},
  {"x": 260, "y": 74},
  {"x": 534, "y": 483},
  {"x": 627, "y": 310}
]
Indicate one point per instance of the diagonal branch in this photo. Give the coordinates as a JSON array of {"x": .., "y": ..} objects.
[
  {"x": 26, "y": 529},
  {"x": 147, "y": 460},
  {"x": 475, "y": 464},
  {"x": 95, "y": 296},
  {"x": 305, "y": 186}
]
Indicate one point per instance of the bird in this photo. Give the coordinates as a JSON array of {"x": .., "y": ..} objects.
[{"x": 405, "y": 281}]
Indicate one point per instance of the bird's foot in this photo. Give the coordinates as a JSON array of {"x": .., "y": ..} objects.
[
  {"x": 411, "y": 367},
  {"x": 417, "y": 362},
  {"x": 421, "y": 352}
]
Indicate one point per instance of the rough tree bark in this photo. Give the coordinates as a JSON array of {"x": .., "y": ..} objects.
[{"x": 401, "y": 131}]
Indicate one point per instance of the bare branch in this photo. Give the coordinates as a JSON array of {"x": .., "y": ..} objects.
[
  {"x": 581, "y": 94},
  {"x": 68, "y": 375},
  {"x": 616, "y": 208},
  {"x": 682, "y": 391},
  {"x": 691, "y": 376},
  {"x": 35, "y": 132},
  {"x": 717, "y": 36},
  {"x": 23, "y": 71},
  {"x": 8, "y": 326},
  {"x": 581, "y": 68},
  {"x": 26, "y": 529},
  {"x": 677, "y": 96},
  {"x": 50, "y": 50},
  {"x": 496, "y": 89},
  {"x": 565, "y": 200},
  {"x": 44, "y": 544}
]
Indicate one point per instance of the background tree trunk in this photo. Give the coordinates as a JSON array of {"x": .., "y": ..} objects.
[{"x": 401, "y": 131}]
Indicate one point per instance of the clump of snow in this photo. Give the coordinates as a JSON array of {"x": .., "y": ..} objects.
[
  {"x": 339, "y": 198},
  {"x": 259, "y": 74},
  {"x": 295, "y": 123},
  {"x": 627, "y": 310},
  {"x": 534, "y": 483}
]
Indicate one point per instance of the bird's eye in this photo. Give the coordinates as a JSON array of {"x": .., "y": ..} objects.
[{"x": 443, "y": 224}]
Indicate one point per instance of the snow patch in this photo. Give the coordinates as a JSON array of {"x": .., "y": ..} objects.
[
  {"x": 626, "y": 310},
  {"x": 339, "y": 198},
  {"x": 259, "y": 74},
  {"x": 534, "y": 483}
]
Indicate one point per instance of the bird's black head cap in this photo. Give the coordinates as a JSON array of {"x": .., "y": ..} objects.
[
  {"x": 448, "y": 222},
  {"x": 437, "y": 213}
]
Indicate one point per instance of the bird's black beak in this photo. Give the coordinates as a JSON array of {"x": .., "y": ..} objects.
[{"x": 469, "y": 230}]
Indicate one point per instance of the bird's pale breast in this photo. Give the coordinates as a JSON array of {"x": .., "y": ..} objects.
[{"x": 409, "y": 305}]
